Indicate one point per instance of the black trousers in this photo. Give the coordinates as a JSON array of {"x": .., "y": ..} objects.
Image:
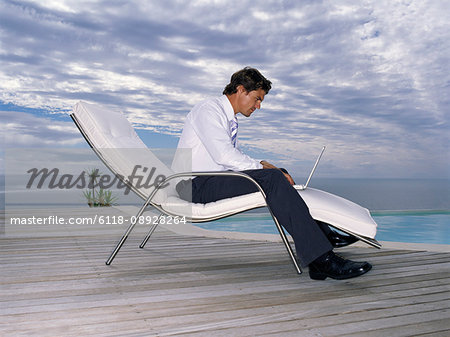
[{"x": 284, "y": 201}]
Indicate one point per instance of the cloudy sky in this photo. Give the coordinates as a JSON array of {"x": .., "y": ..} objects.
[{"x": 369, "y": 79}]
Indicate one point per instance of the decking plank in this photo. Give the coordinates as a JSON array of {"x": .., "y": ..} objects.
[{"x": 56, "y": 283}]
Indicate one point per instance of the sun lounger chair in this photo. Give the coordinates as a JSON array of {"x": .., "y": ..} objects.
[{"x": 116, "y": 143}]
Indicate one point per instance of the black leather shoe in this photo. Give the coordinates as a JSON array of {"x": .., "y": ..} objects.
[
  {"x": 336, "y": 267},
  {"x": 339, "y": 240}
]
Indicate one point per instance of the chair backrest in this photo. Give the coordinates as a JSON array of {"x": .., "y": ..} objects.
[{"x": 114, "y": 140}]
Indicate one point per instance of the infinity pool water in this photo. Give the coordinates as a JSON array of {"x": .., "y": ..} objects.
[{"x": 399, "y": 226}]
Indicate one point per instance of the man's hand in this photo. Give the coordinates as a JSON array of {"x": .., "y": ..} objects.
[
  {"x": 289, "y": 178},
  {"x": 267, "y": 165}
]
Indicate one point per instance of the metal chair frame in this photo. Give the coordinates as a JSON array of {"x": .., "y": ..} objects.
[{"x": 148, "y": 201}]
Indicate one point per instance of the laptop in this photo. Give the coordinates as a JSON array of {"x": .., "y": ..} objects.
[{"x": 302, "y": 187}]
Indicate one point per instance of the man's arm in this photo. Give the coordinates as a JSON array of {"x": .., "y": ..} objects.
[{"x": 211, "y": 128}]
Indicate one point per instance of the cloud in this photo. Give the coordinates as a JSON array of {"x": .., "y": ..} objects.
[
  {"x": 370, "y": 80},
  {"x": 27, "y": 130}
]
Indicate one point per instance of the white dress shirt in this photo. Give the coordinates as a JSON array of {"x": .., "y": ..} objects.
[{"x": 207, "y": 133}]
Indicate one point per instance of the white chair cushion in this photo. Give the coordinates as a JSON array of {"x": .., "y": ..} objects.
[
  {"x": 107, "y": 128},
  {"x": 339, "y": 212},
  {"x": 220, "y": 208},
  {"x": 323, "y": 206},
  {"x": 120, "y": 147}
]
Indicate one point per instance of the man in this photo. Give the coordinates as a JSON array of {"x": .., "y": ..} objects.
[{"x": 210, "y": 131}]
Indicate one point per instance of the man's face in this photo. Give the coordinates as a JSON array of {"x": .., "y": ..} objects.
[{"x": 249, "y": 101}]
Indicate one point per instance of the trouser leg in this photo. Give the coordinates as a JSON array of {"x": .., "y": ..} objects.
[
  {"x": 324, "y": 227},
  {"x": 286, "y": 204}
]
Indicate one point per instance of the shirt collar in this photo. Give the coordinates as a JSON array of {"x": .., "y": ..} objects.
[{"x": 229, "y": 111}]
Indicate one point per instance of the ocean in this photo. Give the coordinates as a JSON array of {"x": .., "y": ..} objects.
[
  {"x": 406, "y": 210},
  {"x": 389, "y": 194}
]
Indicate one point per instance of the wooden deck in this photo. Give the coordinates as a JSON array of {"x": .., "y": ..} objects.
[{"x": 55, "y": 283}]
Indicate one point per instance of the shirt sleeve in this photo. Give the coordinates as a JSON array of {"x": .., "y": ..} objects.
[{"x": 211, "y": 126}]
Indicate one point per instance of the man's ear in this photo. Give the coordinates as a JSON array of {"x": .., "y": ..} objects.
[{"x": 240, "y": 89}]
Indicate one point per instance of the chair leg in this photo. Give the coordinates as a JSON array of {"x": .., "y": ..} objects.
[
  {"x": 286, "y": 243},
  {"x": 150, "y": 232},
  {"x": 125, "y": 236}
]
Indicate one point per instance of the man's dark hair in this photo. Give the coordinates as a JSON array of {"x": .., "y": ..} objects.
[{"x": 250, "y": 78}]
